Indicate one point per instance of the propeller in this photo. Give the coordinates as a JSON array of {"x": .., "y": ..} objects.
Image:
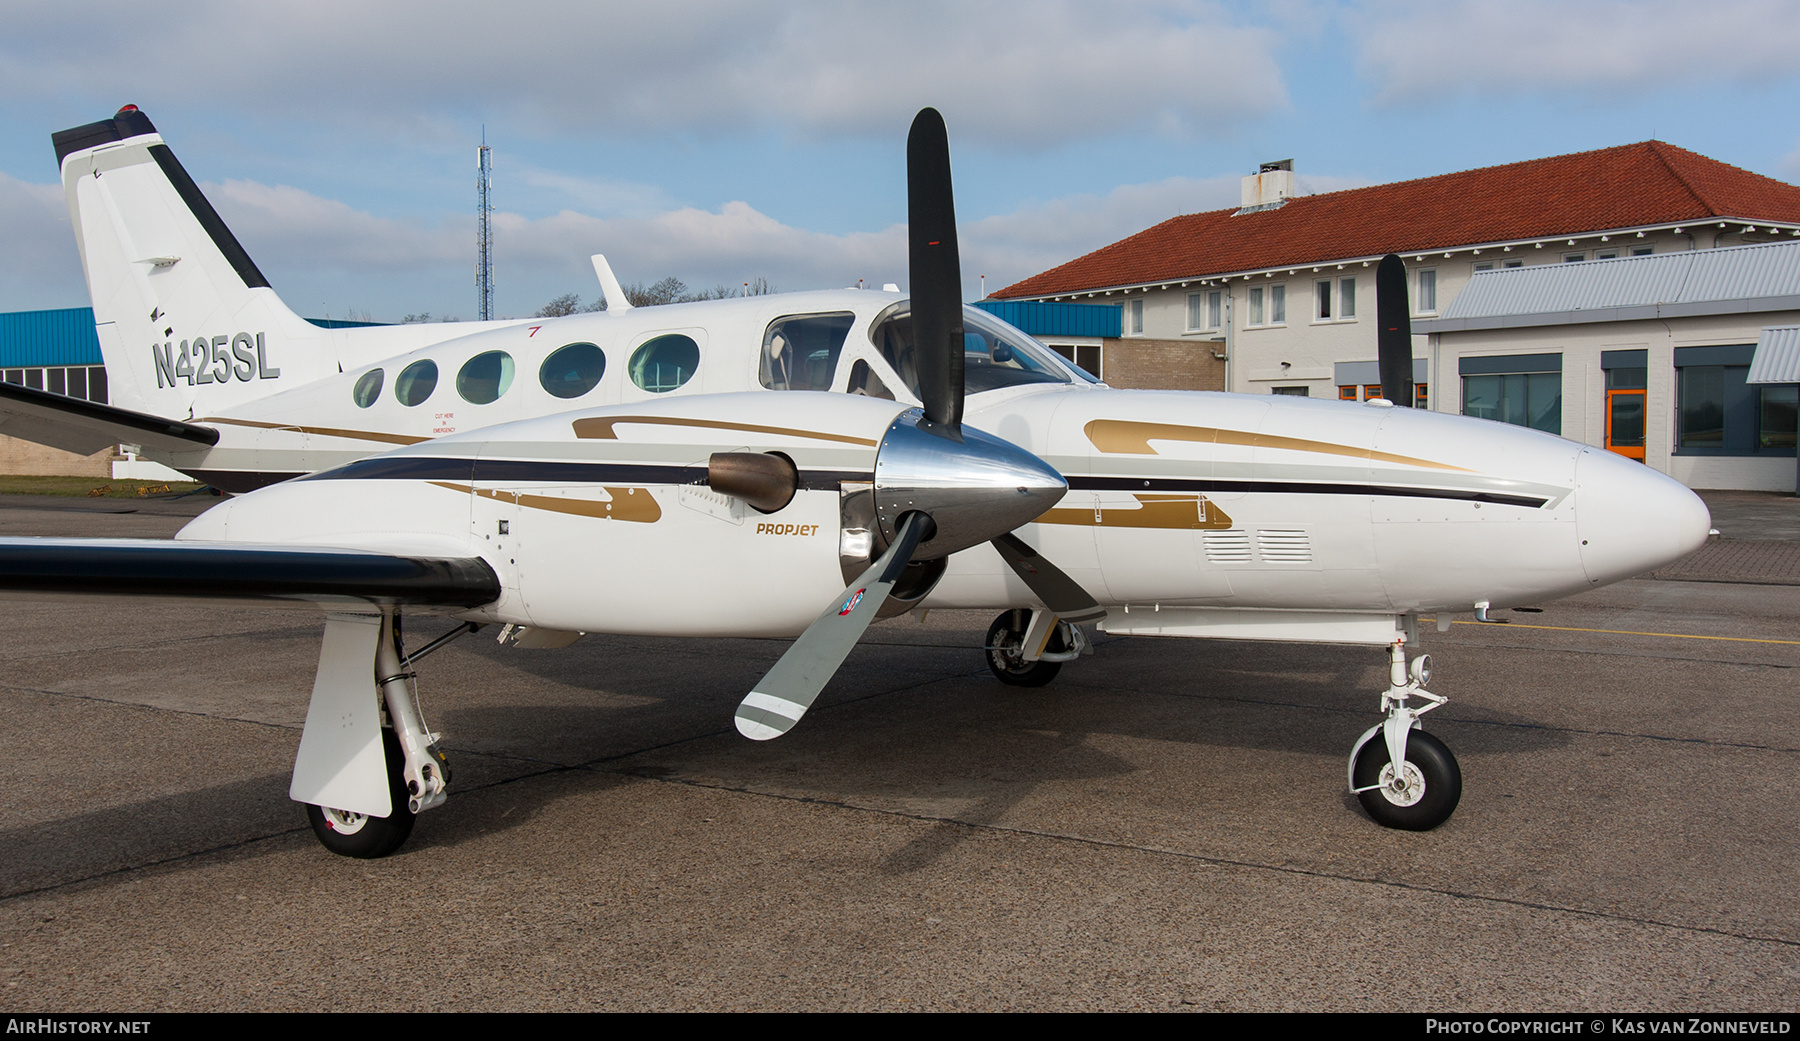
[
  {"x": 939, "y": 487},
  {"x": 1393, "y": 331}
]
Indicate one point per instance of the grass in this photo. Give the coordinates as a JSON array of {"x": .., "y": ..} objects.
[{"x": 94, "y": 487}]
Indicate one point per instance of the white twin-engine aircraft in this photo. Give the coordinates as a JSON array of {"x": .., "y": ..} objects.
[{"x": 782, "y": 454}]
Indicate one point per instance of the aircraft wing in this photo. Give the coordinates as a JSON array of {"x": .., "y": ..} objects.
[
  {"x": 159, "y": 567},
  {"x": 86, "y": 427}
]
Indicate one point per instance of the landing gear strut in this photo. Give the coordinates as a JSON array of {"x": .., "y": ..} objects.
[
  {"x": 1026, "y": 648},
  {"x": 1423, "y": 792}
]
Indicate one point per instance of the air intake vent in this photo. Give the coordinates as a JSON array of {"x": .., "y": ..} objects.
[
  {"x": 1284, "y": 547},
  {"x": 1226, "y": 547}
]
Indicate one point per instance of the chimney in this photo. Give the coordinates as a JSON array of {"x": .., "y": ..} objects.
[{"x": 1271, "y": 186}]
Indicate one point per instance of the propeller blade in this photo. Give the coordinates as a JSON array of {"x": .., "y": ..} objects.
[
  {"x": 936, "y": 272},
  {"x": 1060, "y": 593},
  {"x": 1393, "y": 331},
  {"x": 789, "y": 689}
]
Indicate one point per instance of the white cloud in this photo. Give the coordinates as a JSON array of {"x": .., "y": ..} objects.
[
  {"x": 1413, "y": 49},
  {"x": 1027, "y": 74},
  {"x": 41, "y": 265}
]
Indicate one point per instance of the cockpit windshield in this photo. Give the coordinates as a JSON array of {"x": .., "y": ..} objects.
[{"x": 995, "y": 354}]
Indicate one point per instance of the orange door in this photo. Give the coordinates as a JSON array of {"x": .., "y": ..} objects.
[{"x": 1625, "y": 423}]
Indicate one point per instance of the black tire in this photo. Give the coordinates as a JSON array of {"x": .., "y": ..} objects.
[
  {"x": 1003, "y": 656},
  {"x": 1437, "y": 769},
  {"x": 363, "y": 837}
]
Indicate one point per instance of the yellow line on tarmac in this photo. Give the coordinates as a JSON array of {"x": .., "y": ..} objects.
[{"x": 1627, "y": 632}]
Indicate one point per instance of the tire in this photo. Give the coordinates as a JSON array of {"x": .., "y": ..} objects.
[
  {"x": 1430, "y": 766},
  {"x": 358, "y": 835},
  {"x": 1004, "y": 658}
]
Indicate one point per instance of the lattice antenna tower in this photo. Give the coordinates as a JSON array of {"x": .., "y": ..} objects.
[{"x": 484, "y": 224}]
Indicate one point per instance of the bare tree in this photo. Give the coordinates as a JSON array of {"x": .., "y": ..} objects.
[
  {"x": 566, "y": 304},
  {"x": 759, "y": 286}
]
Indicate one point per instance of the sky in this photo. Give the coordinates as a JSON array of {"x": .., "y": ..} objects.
[{"x": 722, "y": 142}]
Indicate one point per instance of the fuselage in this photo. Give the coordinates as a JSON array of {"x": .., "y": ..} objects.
[{"x": 593, "y": 509}]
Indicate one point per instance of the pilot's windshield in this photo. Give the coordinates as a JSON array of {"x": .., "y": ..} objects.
[{"x": 995, "y": 354}]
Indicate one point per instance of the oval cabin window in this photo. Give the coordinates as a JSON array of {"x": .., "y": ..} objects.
[
  {"x": 485, "y": 377},
  {"x": 573, "y": 370},
  {"x": 665, "y": 363},
  {"x": 416, "y": 382}
]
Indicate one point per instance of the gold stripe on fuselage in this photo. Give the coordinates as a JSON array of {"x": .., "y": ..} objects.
[
  {"x": 628, "y": 504},
  {"x": 1154, "y": 511},
  {"x": 600, "y": 428},
  {"x": 354, "y": 435},
  {"x": 1130, "y": 437}
]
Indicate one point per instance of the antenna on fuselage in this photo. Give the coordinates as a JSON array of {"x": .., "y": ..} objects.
[{"x": 609, "y": 285}]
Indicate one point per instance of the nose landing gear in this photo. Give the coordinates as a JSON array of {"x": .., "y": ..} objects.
[
  {"x": 1423, "y": 791},
  {"x": 1026, "y": 648}
]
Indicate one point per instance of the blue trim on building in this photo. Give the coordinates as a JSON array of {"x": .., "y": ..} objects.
[
  {"x": 65, "y": 336},
  {"x": 1043, "y": 318}
]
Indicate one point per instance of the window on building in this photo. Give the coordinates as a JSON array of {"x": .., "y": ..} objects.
[
  {"x": 1610, "y": 253},
  {"x": 87, "y": 382},
  {"x": 1574, "y": 258},
  {"x": 1278, "y": 305},
  {"x": 1347, "y": 393},
  {"x": 1293, "y": 392},
  {"x": 1084, "y": 355},
  {"x": 1134, "y": 318},
  {"x": 1486, "y": 265},
  {"x": 1522, "y": 389},
  {"x": 1513, "y": 263},
  {"x": 1642, "y": 251},
  {"x": 1718, "y": 413},
  {"x": 1421, "y": 399},
  {"x": 1322, "y": 297},
  {"x": 1196, "y": 312},
  {"x": 1346, "y": 298},
  {"x": 1205, "y": 311},
  {"x": 1256, "y": 305},
  {"x": 1427, "y": 282},
  {"x": 1215, "y": 310}
]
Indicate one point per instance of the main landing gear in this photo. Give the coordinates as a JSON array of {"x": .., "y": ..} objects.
[
  {"x": 367, "y": 765},
  {"x": 1424, "y": 791},
  {"x": 1026, "y": 648}
]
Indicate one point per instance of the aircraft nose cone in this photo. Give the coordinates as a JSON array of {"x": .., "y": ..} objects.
[
  {"x": 974, "y": 490},
  {"x": 1632, "y": 519}
]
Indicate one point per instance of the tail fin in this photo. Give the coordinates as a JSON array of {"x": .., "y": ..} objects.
[{"x": 187, "y": 323}]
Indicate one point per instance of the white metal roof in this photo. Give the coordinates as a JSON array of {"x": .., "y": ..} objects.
[
  {"x": 1734, "y": 279},
  {"x": 1777, "y": 357}
]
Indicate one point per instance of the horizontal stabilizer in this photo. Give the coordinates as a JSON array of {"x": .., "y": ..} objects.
[
  {"x": 85, "y": 427},
  {"x": 229, "y": 570}
]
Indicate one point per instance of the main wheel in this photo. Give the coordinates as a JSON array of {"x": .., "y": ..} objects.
[
  {"x": 1006, "y": 657},
  {"x": 1426, "y": 792},
  {"x": 351, "y": 834}
]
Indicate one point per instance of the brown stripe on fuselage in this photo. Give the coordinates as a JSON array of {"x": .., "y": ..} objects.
[
  {"x": 1130, "y": 437},
  {"x": 628, "y": 504},
  {"x": 354, "y": 435},
  {"x": 600, "y": 428},
  {"x": 1155, "y": 511}
]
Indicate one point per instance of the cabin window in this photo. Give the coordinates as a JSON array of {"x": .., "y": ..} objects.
[
  {"x": 416, "y": 382},
  {"x": 572, "y": 370},
  {"x": 994, "y": 353},
  {"x": 485, "y": 377},
  {"x": 801, "y": 352},
  {"x": 865, "y": 381},
  {"x": 664, "y": 363},
  {"x": 367, "y": 389}
]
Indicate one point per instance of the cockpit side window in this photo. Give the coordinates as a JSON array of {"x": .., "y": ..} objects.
[
  {"x": 995, "y": 354},
  {"x": 800, "y": 352}
]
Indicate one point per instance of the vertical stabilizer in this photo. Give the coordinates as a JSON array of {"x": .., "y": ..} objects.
[{"x": 187, "y": 323}]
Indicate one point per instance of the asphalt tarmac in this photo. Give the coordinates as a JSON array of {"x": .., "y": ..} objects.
[{"x": 1165, "y": 827}]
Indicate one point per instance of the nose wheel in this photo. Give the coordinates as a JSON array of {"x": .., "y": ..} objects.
[
  {"x": 1404, "y": 777},
  {"x": 1026, "y": 648}
]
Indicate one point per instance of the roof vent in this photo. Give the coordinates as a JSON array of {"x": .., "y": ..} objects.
[{"x": 1270, "y": 187}]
